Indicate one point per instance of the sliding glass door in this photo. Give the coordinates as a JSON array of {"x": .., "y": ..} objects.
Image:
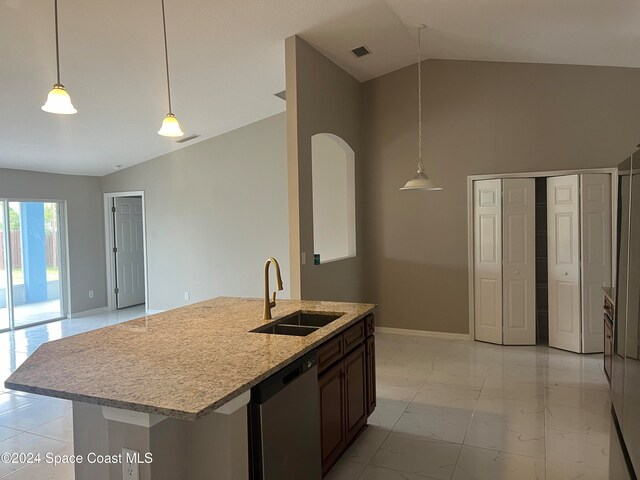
[
  {"x": 31, "y": 285},
  {"x": 5, "y": 323}
]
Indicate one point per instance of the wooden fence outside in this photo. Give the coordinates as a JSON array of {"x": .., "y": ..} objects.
[{"x": 16, "y": 249}]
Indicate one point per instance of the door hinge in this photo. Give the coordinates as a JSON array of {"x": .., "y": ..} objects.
[
  {"x": 113, "y": 209},
  {"x": 116, "y": 290},
  {"x": 115, "y": 249}
]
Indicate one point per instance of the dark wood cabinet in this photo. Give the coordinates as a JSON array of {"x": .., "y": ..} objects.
[
  {"x": 371, "y": 374},
  {"x": 332, "y": 415},
  {"x": 355, "y": 392},
  {"x": 346, "y": 368}
]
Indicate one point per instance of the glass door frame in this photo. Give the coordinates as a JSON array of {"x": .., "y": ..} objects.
[{"x": 62, "y": 255}]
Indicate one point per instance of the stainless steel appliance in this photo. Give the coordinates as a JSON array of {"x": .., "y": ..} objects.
[
  {"x": 609, "y": 299},
  {"x": 284, "y": 424},
  {"x": 625, "y": 375}
]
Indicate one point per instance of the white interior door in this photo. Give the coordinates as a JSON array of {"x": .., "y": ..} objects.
[
  {"x": 563, "y": 229},
  {"x": 595, "y": 222},
  {"x": 129, "y": 254},
  {"x": 519, "y": 261},
  {"x": 487, "y": 241}
]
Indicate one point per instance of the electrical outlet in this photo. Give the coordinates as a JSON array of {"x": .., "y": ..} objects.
[
  {"x": 304, "y": 258},
  {"x": 186, "y": 295},
  {"x": 130, "y": 466},
  {"x": 90, "y": 293}
]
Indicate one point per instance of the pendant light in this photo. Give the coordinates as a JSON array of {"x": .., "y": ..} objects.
[
  {"x": 170, "y": 126},
  {"x": 420, "y": 181},
  {"x": 58, "y": 100}
]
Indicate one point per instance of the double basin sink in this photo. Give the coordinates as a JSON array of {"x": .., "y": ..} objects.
[{"x": 299, "y": 323}]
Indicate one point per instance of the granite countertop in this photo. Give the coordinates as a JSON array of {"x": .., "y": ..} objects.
[{"x": 182, "y": 363}]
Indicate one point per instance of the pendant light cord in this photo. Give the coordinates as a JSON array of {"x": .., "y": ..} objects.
[
  {"x": 55, "y": 8},
  {"x": 420, "y": 164},
  {"x": 166, "y": 54}
]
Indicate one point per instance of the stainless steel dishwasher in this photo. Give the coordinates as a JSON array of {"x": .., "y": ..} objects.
[{"x": 284, "y": 424}]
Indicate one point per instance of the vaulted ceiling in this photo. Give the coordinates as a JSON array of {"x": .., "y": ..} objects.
[{"x": 227, "y": 61}]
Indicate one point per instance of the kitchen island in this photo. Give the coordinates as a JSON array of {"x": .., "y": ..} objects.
[{"x": 174, "y": 384}]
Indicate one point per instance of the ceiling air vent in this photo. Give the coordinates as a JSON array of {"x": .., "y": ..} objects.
[
  {"x": 361, "y": 51},
  {"x": 188, "y": 138},
  {"x": 282, "y": 94}
]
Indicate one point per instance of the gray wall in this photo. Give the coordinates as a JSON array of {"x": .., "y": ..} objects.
[
  {"x": 479, "y": 117},
  {"x": 85, "y": 220},
  {"x": 215, "y": 211},
  {"x": 321, "y": 98}
]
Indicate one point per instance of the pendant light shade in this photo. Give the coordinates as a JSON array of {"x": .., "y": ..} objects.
[
  {"x": 58, "y": 100},
  {"x": 170, "y": 126},
  {"x": 420, "y": 180}
]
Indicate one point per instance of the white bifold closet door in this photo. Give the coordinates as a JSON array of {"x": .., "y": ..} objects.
[
  {"x": 579, "y": 244},
  {"x": 595, "y": 221},
  {"x": 487, "y": 246},
  {"x": 563, "y": 229},
  {"x": 504, "y": 258},
  {"x": 519, "y": 261}
]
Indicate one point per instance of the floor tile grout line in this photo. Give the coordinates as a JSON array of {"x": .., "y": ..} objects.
[
  {"x": 545, "y": 427},
  {"x": 468, "y": 427},
  {"x": 390, "y": 431}
]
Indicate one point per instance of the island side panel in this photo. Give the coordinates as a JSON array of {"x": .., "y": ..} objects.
[
  {"x": 90, "y": 434},
  {"x": 220, "y": 443},
  {"x": 181, "y": 449}
]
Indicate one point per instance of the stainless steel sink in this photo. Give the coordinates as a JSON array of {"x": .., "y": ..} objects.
[{"x": 299, "y": 323}]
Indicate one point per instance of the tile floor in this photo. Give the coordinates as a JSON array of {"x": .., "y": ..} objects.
[
  {"x": 467, "y": 410},
  {"x": 31, "y": 423},
  {"x": 446, "y": 410}
]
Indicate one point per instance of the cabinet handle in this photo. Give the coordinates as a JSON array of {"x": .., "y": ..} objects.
[
  {"x": 517, "y": 272},
  {"x": 566, "y": 274}
]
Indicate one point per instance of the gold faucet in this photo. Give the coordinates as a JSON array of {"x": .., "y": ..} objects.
[{"x": 269, "y": 304}]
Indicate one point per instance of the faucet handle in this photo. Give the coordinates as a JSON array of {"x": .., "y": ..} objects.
[{"x": 272, "y": 303}]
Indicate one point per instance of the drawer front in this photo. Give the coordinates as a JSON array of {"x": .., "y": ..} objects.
[
  {"x": 353, "y": 336},
  {"x": 370, "y": 325},
  {"x": 330, "y": 353}
]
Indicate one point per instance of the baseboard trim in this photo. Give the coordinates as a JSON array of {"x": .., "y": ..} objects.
[
  {"x": 87, "y": 313},
  {"x": 423, "y": 333},
  {"x": 152, "y": 312}
]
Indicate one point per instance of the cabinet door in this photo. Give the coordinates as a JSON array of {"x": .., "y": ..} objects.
[
  {"x": 371, "y": 374},
  {"x": 356, "y": 392},
  {"x": 519, "y": 261},
  {"x": 564, "y": 263},
  {"x": 487, "y": 257},
  {"x": 332, "y": 417}
]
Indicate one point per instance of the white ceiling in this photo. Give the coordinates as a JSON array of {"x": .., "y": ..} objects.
[{"x": 227, "y": 61}]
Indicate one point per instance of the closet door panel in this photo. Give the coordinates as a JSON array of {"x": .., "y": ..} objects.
[
  {"x": 595, "y": 223},
  {"x": 487, "y": 241},
  {"x": 563, "y": 225},
  {"x": 519, "y": 269}
]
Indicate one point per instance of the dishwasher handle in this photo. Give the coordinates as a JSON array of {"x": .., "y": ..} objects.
[
  {"x": 279, "y": 380},
  {"x": 291, "y": 376}
]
